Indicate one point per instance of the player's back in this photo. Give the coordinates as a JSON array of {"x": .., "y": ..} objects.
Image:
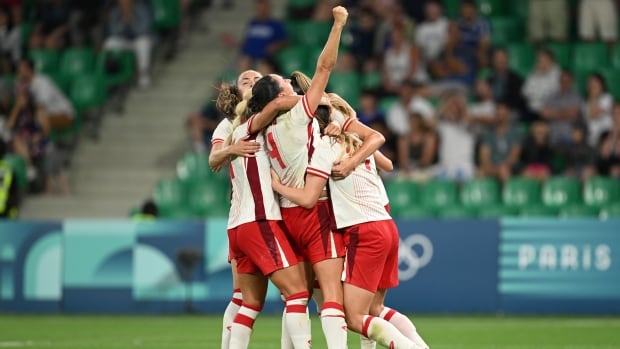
[{"x": 252, "y": 198}]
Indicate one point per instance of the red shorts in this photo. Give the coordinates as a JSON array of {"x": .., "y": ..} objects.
[
  {"x": 371, "y": 262},
  {"x": 310, "y": 232},
  {"x": 260, "y": 247}
]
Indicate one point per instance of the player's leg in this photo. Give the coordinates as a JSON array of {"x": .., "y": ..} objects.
[
  {"x": 329, "y": 272},
  {"x": 357, "y": 303},
  {"x": 254, "y": 289},
  {"x": 400, "y": 321},
  {"x": 232, "y": 308}
]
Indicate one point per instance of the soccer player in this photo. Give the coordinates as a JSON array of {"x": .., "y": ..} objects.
[
  {"x": 371, "y": 239},
  {"x": 227, "y": 100}
]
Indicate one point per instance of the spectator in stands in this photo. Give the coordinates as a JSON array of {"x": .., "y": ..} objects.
[
  {"x": 456, "y": 141},
  {"x": 561, "y": 110},
  {"x": 6, "y": 99},
  {"x": 9, "y": 192},
  {"x": 475, "y": 31},
  {"x": 432, "y": 35},
  {"x": 201, "y": 125},
  {"x": 410, "y": 101},
  {"x": 52, "y": 24},
  {"x": 547, "y": 20},
  {"x": 401, "y": 63},
  {"x": 392, "y": 16},
  {"x": 505, "y": 83},
  {"x": 482, "y": 112},
  {"x": 542, "y": 83},
  {"x": 54, "y": 111},
  {"x": 264, "y": 37},
  {"x": 363, "y": 32},
  {"x": 369, "y": 111},
  {"x": 455, "y": 68},
  {"x": 10, "y": 36},
  {"x": 417, "y": 151},
  {"x": 598, "y": 16},
  {"x": 608, "y": 162},
  {"x": 347, "y": 63},
  {"x": 537, "y": 154},
  {"x": 597, "y": 108},
  {"x": 148, "y": 212},
  {"x": 129, "y": 28},
  {"x": 500, "y": 148},
  {"x": 580, "y": 157},
  {"x": 85, "y": 23}
]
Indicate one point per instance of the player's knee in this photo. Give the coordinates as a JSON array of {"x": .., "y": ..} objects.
[
  {"x": 354, "y": 322},
  {"x": 376, "y": 309}
]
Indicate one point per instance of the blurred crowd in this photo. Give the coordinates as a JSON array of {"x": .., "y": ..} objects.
[{"x": 445, "y": 95}]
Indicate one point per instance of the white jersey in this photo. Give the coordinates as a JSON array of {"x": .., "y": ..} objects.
[
  {"x": 253, "y": 198},
  {"x": 222, "y": 131},
  {"x": 356, "y": 199},
  {"x": 290, "y": 145}
]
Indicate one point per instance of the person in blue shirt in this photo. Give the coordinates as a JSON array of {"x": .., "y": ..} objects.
[
  {"x": 264, "y": 37},
  {"x": 475, "y": 31}
]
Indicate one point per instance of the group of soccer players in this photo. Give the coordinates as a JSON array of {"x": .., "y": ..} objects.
[{"x": 328, "y": 228}]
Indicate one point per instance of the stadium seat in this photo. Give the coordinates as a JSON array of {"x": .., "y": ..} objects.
[
  {"x": 615, "y": 57},
  {"x": 301, "y": 3},
  {"x": 601, "y": 191},
  {"x": 116, "y": 66},
  {"x": 589, "y": 56},
  {"x": 456, "y": 211},
  {"x": 45, "y": 61},
  {"x": 611, "y": 211},
  {"x": 292, "y": 58},
  {"x": 492, "y": 8},
  {"x": 166, "y": 13},
  {"x": 535, "y": 211},
  {"x": 505, "y": 30},
  {"x": 521, "y": 192},
  {"x": 313, "y": 33},
  {"x": 292, "y": 30},
  {"x": 371, "y": 80},
  {"x": 558, "y": 192},
  {"x": 208, "y": 199},
  {"x": 19, "y": 166},
  {"x": 479, "y": 193},
  {"x": 403, "y": 194},
  {"x": 194, "y": 167},
  {"x": 77, "y": 61},
  {"x": 26, "y": 28},
  {"x": 62, "y": 82},
  {"x": 579, "y": 211},
  {"x": 168, "y": 194},
  {"x": 452, "y": 8},
  {"x": 346, "y": 85},
  {"x": 414, "y": 211},
  {"x": 562, "y": 53},
  {"x": 439, "y": 194},
  {"x": 87, "y": 92},
  {"x": 497, "y": 211},
  {"x": 522, "y": 57},
  {"x": 519, "y": 8},
  {"x": 612, "y": 78},
  {"x": 386, "y": 103}
]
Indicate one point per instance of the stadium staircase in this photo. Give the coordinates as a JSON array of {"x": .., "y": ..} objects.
[{"x": 141, "y": 146}]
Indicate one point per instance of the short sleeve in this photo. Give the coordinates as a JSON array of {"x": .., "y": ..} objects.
[
  {"x": 301, "y": 114},
  {"x": 323, "y": 158},
  {"x": 221, "y": 132}
]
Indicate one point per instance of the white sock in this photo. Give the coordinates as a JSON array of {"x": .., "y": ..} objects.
[
  {"x": 385, "y": 333},
  {"x": 334, "y": 326},
  {"x": 367, "y": 343},
  {"x": 241, "y": 329},
  {"x": 297, "y": 321},
  {"x": 404, "y": 325},
  {"x": 229, "y": 316},
  {"x": 285, "y": 339},
  {"x": 317, "y": 295}
]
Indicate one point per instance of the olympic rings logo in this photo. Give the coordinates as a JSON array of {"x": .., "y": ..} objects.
[{"x": 414, "y": 253}]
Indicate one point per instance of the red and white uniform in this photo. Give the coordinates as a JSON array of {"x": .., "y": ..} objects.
[
  {"x": 290, "y": 147},
  {"x": 222, "y": 131},
  {"x": 371, "y": 237},
  {"x": 255, "y": 233}
]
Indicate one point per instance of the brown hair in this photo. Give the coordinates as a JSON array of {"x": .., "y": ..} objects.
[{"x": 227, "y": 100}]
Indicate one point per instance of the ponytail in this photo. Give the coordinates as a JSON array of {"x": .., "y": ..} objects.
[{"x": 227, "y": 100}]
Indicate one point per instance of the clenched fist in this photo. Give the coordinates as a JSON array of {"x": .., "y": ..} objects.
[{"x": 340, "y": 15}]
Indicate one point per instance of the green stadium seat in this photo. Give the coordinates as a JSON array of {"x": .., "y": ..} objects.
[
  {"x": 45, "y": 61},
  {"x": 295, "y": 4},
  {"x": 505, "y": 30},
  {"x": 194, "y": 167},
  {"x": 26, "y": 29},
  {"x": 611, "y": 211},
  {"x": 116, "y": 66},
  {"x": 63, "y": 82},
  {"x": 208, "y": 199},
  {"x": 414, "y": 211},
  {"x": 579, "y": 211},
  {"x": 77, "y": 61},
  {"x": 292, "y": 58},
  {"x": 166, "y": 13},
  {"x": 522, "y": 57},
  {"x": 456, "y": 211},
  {"x": 386, "y": 103},
  {"x": 497, "y": 211},
  {"x": 169, "y": 194},
  {"x": 562, "y": 53},
  {"x": 313, "y": 33},
  {"x": 452, "y": 8},
  {"x": 371, "y": 80},
  {"x": 87, "y": 92},
  {"x": 589, "y": 56},
  {"x": 439, "y": 194},
  {"x": 521, "y": 192},
  {"x": 19, "y": 166},
  {"x": 538, "y": 211},
  {"x": 612, "y": 78},
  {"x": 614, "y": 57},
  {"x": 292, "y": 30},
  {"x": 480, "y": 193},
  {"x": 519, "y": 8},
  {"x": 558, "y": 192},
  {"x": 493, "y": 8},
  {"x": 346, "y": 85},
  {"x": 601, "y": 191},
  {"x": 403, "y": 194}
]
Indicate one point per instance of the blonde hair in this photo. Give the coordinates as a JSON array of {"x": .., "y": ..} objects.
[
  {"x": 301, "y": 80},
  {"x": 241, "y": 114},
  {"x": 350, "y": 141},
  {"x": 342, "y": 106}
]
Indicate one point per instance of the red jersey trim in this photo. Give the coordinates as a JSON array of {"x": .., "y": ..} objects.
[
  {"x": 304, "y": 103},
  {"x": 317, "y": 172},
  {"x": 216, "y": 140},
  {"x": 347, "y": 123}
]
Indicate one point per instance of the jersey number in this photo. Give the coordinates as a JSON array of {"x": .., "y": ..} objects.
[{"x": 273, "y": 152}]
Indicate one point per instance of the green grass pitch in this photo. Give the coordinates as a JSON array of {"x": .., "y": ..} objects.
[{"x": 189, "y": 332}]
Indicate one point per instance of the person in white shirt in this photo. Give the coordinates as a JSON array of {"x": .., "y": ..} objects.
[
  {"x": 541, "y": 84},
  {"x": 52, "y": 105},
  {"x": 411, "y": 101},
  {"x": 482, "y": 112},
  {"x": 432, "y": 35},
  {"x": 597, "y": 108},
  {"x": 401, "y": 62},
  {"x": 456, "y": 141}
]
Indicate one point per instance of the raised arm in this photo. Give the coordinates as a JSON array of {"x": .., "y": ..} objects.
[
  {"x": 327, "y": 59},
  {"x": 271, "y": 110},
  {"x": 305, "y": 197}
]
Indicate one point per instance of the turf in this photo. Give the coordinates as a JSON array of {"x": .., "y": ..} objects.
[{"x": 185, "y": 332}]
